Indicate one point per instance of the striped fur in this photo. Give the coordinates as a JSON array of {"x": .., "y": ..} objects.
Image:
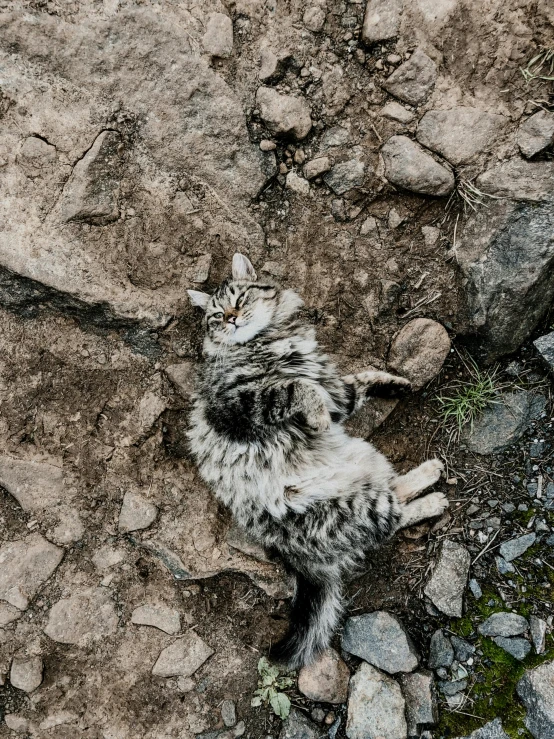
[{"x": 267, "y": 436}]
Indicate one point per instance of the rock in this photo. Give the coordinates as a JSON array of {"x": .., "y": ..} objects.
[
  {"x": 381, "y": 20},
  {"x": 314, "y": 18},
  {"x": 409, "y": 166},
  {"x": 136, "y": 513},
  {"x": 418, "y": 351},
  {"x": 397, "y": 112},
  {"x": 462, "y": 648},
  {"x": 418, "y": 690},
  {"x": 538, "y": 633},
  {"x": 182, "y": 375},
  {"x": 218, "y": 39},
  {"x": 325, "y": 680},
  {"x": 452, "y": 687},
  {"x": 297, "y": 184},
  {"x": 70, "y": 527},
  {"x": 395, "y": 219},
  {"x": 345, "y": 176},
  {"x": 376, "y": 708},
  {"x": 34, "y": 155},
  {"x": 460, "y": 133},
  {"x": 441, "y": 653},
  {"x": 17, "y": 723},
  {"x": 161, "y": 616},
  {"x": 514, "y": 548},
  {"x": 266, "y": 145},
  {"x": 26, "y": 672},
  {"x": 518, "y": 648},
  {"x": 35, "y": 484},
  {"x": 517, "y": 179},
  {"x": 492, "y": 730},
  {"x": 8, "y": 613},
  {"x": 84, "y": 617},
  {"x": 446, "y": 587},
  {"x": 381, "y": 640},
  {"x": 431, "y": 235},
  {"x": 25, "y": 565},
  {"x": 545, "y": 347},
  {"x": 335, "y": 136},
  {"x": 475, "y": 588},
  {"x": 229, "y": 713},
  {"x": 90, "y": 195},
  {"x": 504, "y": 624},
  {"x": 298, "y": 726},
  {"x": 504, "y": 567},
  {"x": 183, "y": 657},
  {"x": 284, "y": 114},
  {"x": 316, "y": 167},
  {"x": 536, "y": 690},
  {"x": 536, "y": 133},
  {"x": 506, "y": 253},
  {"x": 503, "y": 423},
  {"x": 412, "y": 81},
  {"x": 369, "y": 226}
]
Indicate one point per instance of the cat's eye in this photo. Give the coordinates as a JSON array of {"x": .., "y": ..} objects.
[{"x": 219, "y": 314}]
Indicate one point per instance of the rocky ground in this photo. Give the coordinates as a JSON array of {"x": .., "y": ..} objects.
[{"x": 392, "y": 162}]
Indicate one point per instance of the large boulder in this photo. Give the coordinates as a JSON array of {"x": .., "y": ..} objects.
[{"x": 506, "y": 254}]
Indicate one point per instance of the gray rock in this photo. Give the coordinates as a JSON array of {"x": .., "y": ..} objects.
[
  {"x": 314, "y": 18},
  {"x": 452, "y": 687},
  {"x": 345, "y": 176},
  {"x": 408, "y": 165},
  {"x": 441, "y": 652},
  {"x": 326, "y": 679},
  {"x": 381, "y": 640},
  {"x": 418, "y": 689},
  {"x": 504, "y": 624},
  {"x": 462, "y": 648},
  {"x": 492, "y": 730},
  {"x": 182, "y": 375},
  {"x": 335, "y": 136},
  {"x": 517, "y": 179},
  {"x": 26, "y": 672},
  {"x": 545, "y": 347},
  {"x": 316, "y": 167},
  {"x": 90, "y": 195},
  {"x": 538, "y": 633},
  {"x": 397, "y": 112},
  {"x": 536, "y": 690},
  {"x": 136, "y": 513},
  {"x": 284, "y": 114},
  {"x": 459, "y": 133},
  {"x": 229, "y": 713},
  {"x": 514, "y": 548},
  {"x": 376, "y": 708},
  {"x": 35, "y": 484},
  {"x": 8, "y": 613},
  {"x": 381, "y": 20},
  {"x": 158, "y": 615},
  {"x": 25, "y": 565},
  {"x": 418, "y": 351},
  {"x": 297, "y": 184},
  {"x": 412, "y": 81},
  {"x": 446, "y": 587},
  {"x": 504, "y": 422},
  {"x": 218, "y": 38},
  {"x": 299, "y": 726},
  {"x": 84, "y": 617},
  {"x": 183, "y": 657},
  {"x": 506, "y": 253},
  {"x": 504, "y": 567},
  {"x": 517, "y": 647},
  {"x": 536, "y": 133},
  {"x": 475, "y": 588}
]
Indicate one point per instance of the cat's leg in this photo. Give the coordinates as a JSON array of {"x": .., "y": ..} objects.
[
  {"x": 371, "y": 384},
  {"x": 409, "y": 486},
  {"x": 429, "y": 506}
]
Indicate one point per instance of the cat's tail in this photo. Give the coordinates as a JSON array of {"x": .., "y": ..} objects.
[{"x": 316, "y": 611}]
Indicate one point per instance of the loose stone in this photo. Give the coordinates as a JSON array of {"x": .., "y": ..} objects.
[
  {"x": 183, "y": 657},
  {"x": 504, "y": 624},
  {"x": 408, "y": 165},
  {"x": 514, "y": 548},
  {"x": 25, "y": 565},
  {"x": 518, "y": 648},
  {"x": 441, "y": 653},
  {"x": 381, "y": 640},
  {"x": 418, "y": 351},
  {"x": 26, "y": 672},
  {"x": 160, "y": 616},
  {"x": 536, "y": 690},
  {"x": 412, "y": 81},
  {"x": 447, "y": 584},
  {"x": 136, "y": 513},
  {"x": 376, "y": 708},
  {"x": 325, "y": 680}
]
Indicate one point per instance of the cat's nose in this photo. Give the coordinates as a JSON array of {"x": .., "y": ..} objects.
[{"x": 231, "y": 318}]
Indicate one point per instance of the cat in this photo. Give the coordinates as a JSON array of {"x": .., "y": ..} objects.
[{"x": 267, "y": 436}]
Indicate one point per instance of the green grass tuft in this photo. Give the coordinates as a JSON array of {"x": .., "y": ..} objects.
[{"x": 540, "y": 67}]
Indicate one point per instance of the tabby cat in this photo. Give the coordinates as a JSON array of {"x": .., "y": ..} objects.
[{"x": 268, "y": 438}]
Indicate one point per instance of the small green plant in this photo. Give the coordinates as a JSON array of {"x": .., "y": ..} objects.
[
  {"x": 540, "y": 67},
  {"x": 470, "y": 397},
  {"x": 269, "y": 689}
]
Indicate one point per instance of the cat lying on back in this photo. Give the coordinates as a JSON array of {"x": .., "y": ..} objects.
[{"x": 267, "y": 436}]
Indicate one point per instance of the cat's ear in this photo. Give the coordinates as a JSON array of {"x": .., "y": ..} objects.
[
  {"x": 198, "y": 298},
  {"x": 243, "y": 269}
]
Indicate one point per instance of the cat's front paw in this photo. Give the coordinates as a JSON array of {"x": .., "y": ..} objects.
[{"x": 384, "y": 385}]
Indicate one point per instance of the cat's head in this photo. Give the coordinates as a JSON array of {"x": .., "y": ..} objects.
[{"x": 243, "y": 307}]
